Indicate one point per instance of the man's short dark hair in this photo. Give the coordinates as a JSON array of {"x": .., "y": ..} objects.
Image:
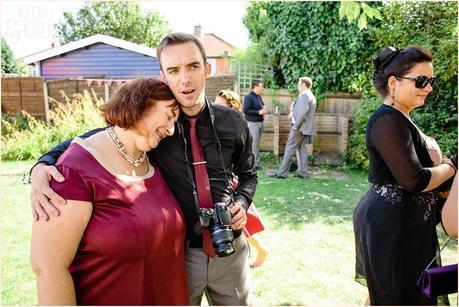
[
  {"x": 177, "y": 39},
  {"x": 255, "y": 82}
]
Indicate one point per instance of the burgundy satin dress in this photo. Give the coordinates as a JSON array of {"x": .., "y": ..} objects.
[{"x": 132, "y": 251}]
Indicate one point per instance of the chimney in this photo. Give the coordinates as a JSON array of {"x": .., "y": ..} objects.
[
  {"x": 55, "y": 44},
  {"x": 198, "y": 31}
]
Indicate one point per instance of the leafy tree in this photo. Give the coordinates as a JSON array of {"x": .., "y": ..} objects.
[
  {"x": 252, "y": 54},
  {"x": 9, "y": 64},
  {"x": 120, "y": 19},
  {"x": 351, "y": 10},
  {"x": 309, "y": 38}
]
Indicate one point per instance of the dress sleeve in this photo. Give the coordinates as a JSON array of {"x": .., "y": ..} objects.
[
  {"x": 74, "y": 187},
  {"x": 393, "y": 141}
]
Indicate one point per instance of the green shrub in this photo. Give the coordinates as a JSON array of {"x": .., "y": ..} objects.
[
  {"x": 356, "y": 155},
  {"x": 308, "y": 38},
  {"x": 12, "y": 123},
  {"x": 36, "y": 137}
]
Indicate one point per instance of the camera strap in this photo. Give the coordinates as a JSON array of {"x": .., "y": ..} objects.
[
  {"x": 219, "y": 150},
  {"x": 188, "y": 163}
]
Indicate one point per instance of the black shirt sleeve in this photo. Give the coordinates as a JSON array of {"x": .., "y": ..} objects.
[
  {"x": 392, "y": 139},
  {"x": 244, "y": 166}
]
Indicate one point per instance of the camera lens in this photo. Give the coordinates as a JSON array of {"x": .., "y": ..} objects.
[{"x": 222, "y": 240}]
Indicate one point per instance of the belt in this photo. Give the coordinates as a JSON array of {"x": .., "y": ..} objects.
[{"x": 196, "y": 242}]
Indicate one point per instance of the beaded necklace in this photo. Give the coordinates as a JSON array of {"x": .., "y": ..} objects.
[{"x": 120, "y": 147}]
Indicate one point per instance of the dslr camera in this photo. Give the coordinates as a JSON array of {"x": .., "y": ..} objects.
[{"x": 218, "y": 220}]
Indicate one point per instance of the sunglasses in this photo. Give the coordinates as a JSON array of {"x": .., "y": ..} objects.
[{"x": 421, "y": 81}]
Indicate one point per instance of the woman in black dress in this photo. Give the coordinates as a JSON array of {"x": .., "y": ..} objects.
[{"x": 394, "y": 223}]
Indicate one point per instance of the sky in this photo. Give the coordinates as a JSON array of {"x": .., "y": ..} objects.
[{"x": 27, "y": 25}]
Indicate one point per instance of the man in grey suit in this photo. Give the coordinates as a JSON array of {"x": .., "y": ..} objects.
[{"x": 303, "y": 128}]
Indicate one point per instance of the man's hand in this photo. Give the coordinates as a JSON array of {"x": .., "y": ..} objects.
[
  {"x": 239, "y": 216},
  {"x": 263, "y": 111},
  {"x": 41, "y": 195}
]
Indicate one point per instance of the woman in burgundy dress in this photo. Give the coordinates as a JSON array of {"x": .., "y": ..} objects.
[{"x": 120, "y": 237}]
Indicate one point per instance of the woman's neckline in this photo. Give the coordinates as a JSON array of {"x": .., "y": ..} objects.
[
  {"x": 99, "y": 157},
  {"x": 406, "y": 116}
]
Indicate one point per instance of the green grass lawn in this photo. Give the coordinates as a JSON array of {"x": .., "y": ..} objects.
[{"x": 311, "y": 260}]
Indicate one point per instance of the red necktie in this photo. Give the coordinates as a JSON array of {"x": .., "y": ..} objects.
[{"x": 202, "y": 183}]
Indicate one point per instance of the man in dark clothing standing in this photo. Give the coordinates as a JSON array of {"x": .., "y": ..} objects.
[{"x": 255, "y": 110}]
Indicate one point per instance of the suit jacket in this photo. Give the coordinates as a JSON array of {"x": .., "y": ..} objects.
[{"x": 304, "y": 113}]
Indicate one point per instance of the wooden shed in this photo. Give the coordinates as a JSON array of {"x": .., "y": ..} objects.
[{"x": 95, "y": 56}]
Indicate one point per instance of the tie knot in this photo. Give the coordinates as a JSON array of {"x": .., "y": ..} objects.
[{"x": 192, "y": 122}]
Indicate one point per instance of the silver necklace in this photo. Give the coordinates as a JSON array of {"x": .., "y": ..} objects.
[{"x": 120, "y": 147}]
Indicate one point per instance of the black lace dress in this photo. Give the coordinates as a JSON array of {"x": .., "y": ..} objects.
[{"x": 394, "y": 223}]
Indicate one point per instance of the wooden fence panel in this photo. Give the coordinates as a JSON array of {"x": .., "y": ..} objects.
[
  {"x": 56, "y": 88},
  {"x": 83, "y": 86},
  {"x": 332, "y": 133},
  {"x": 32, "y": 96},
  {"x": 11, "y": 96},
  {"x": 23, "y": 93},
  {"x": 215, "y": 84},
  {"x": 338, "y": 103}
]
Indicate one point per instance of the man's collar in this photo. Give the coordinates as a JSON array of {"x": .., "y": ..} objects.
[{"x": 202, "y": 116}]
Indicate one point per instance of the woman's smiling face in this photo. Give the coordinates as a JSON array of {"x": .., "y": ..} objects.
[{"x": 156, "y": 123}]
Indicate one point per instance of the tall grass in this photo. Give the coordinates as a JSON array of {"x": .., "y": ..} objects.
[{"x": 70, "y": 118}]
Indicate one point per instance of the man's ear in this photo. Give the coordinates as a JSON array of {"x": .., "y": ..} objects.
[{"x": 207, "y": 69}]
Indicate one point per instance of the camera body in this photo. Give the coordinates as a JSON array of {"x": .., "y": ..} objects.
[{"x": 218, "y": 220}]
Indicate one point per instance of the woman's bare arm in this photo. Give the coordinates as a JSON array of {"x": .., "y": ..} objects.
[{"x": 54, "y": 245}]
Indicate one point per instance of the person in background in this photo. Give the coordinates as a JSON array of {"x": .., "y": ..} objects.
[
  {"x": 303, "y": 128},
  {"x": 254, "y": 223},
  {"x": 395, "y": 221},
  {"x": 107, "y": 246},
  {"x": 255, "y": 110}
]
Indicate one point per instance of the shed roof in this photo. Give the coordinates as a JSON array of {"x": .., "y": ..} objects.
[{"x": 98, "y": 38}]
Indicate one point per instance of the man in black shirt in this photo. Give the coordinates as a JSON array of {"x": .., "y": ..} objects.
[
  {"x": 255, "y": 110},
  {"x": 184, "y": 68}
]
